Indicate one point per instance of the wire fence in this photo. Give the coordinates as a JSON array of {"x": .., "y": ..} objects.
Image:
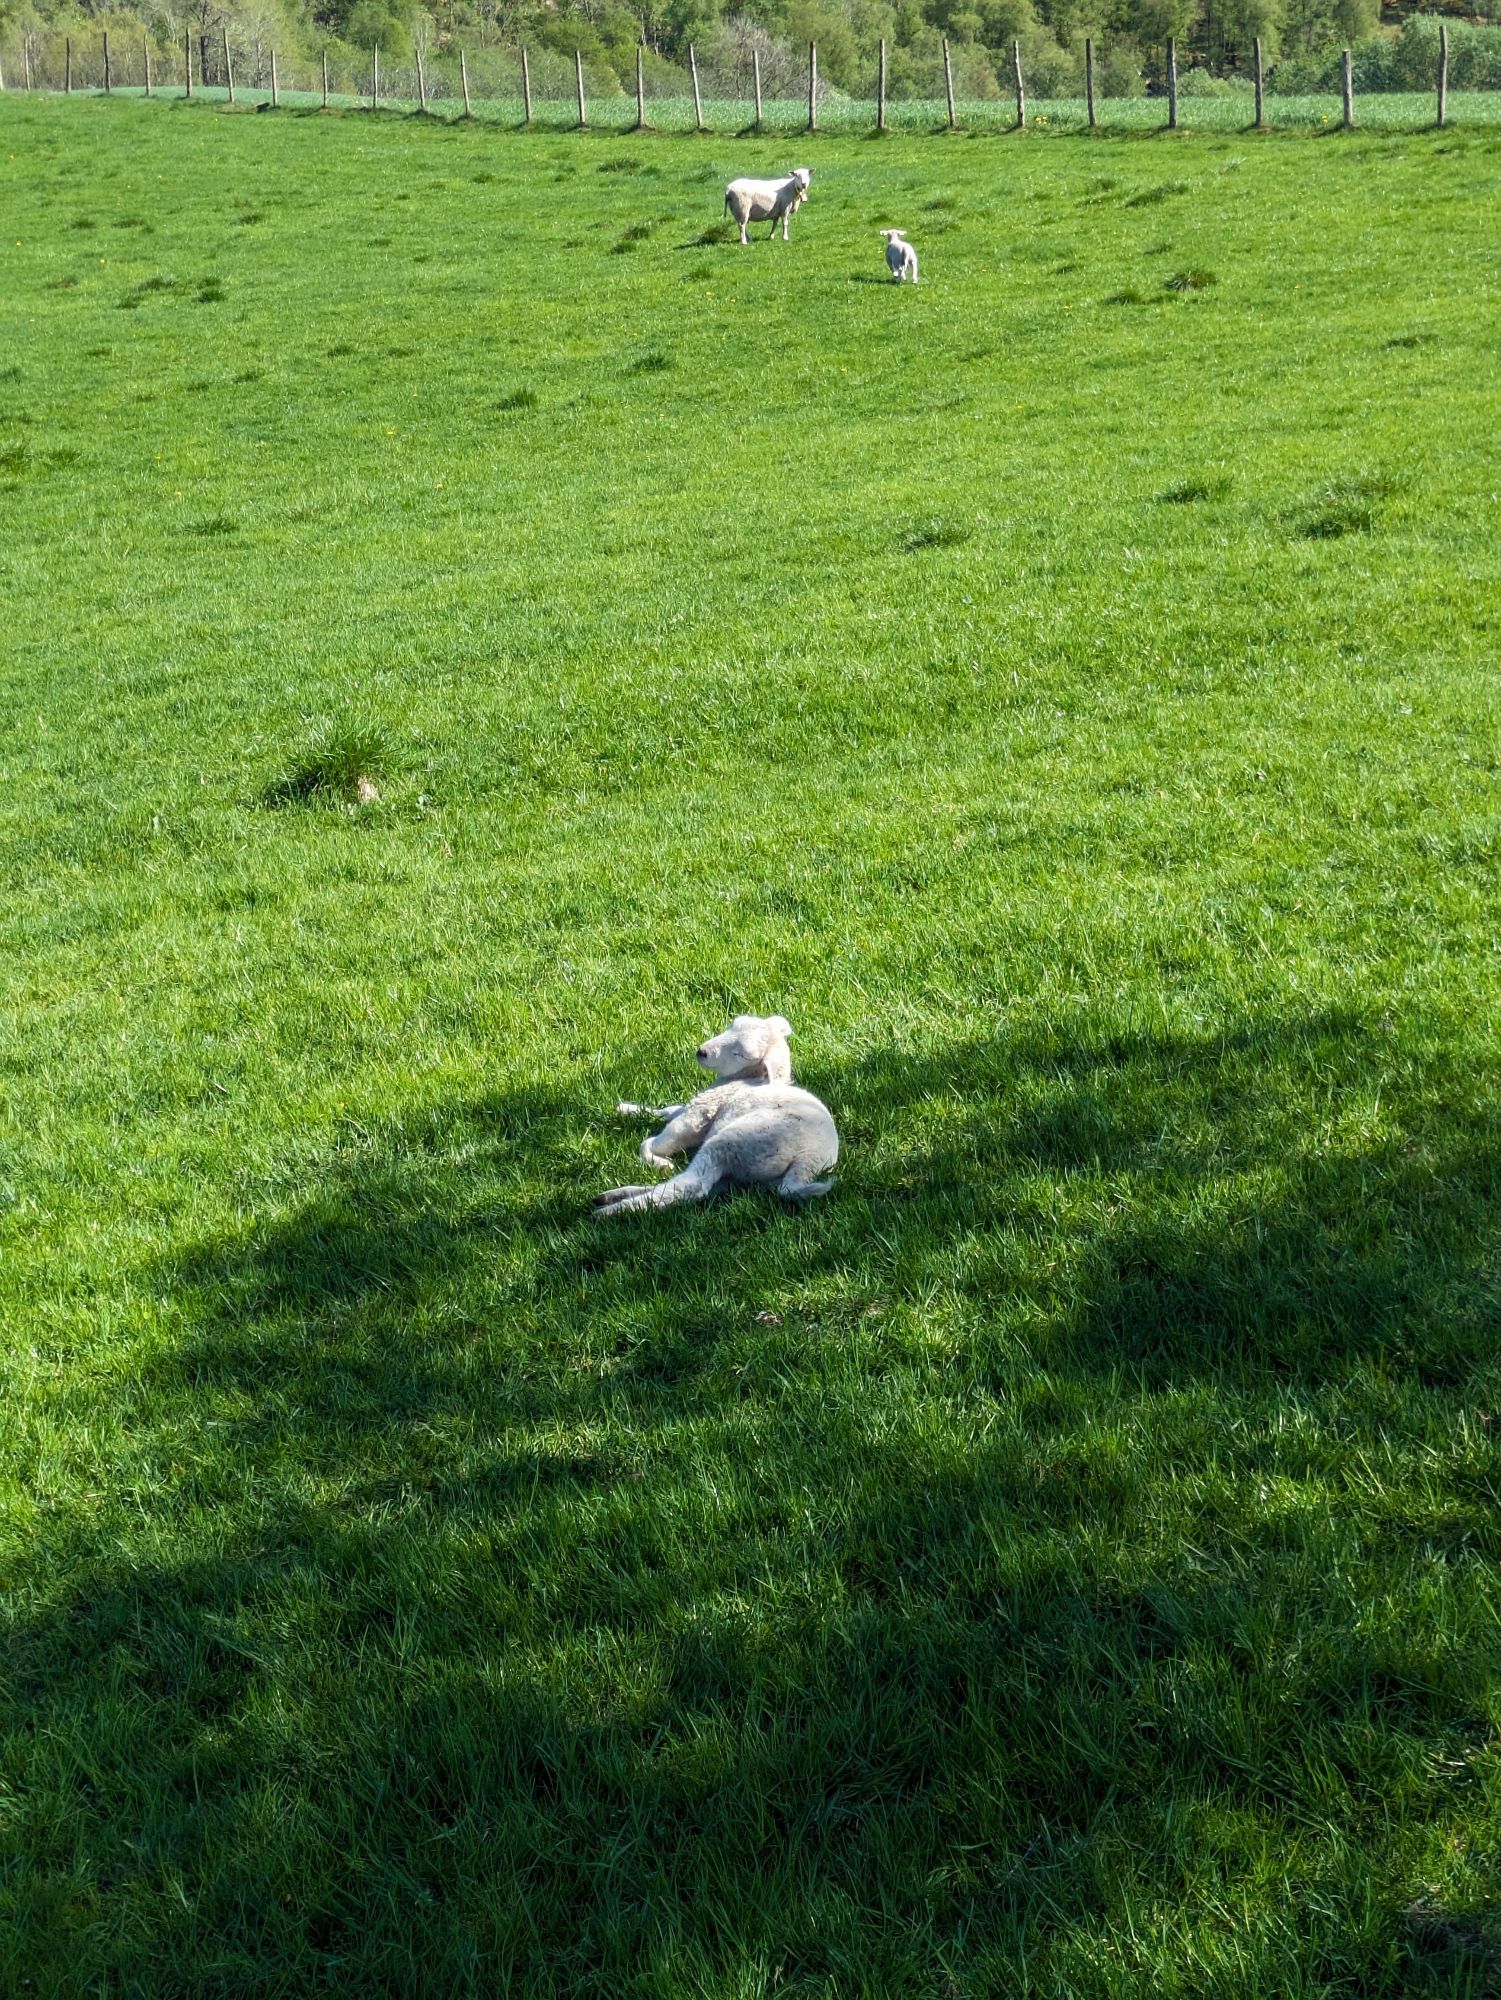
[{"x": 519, "y": 87}]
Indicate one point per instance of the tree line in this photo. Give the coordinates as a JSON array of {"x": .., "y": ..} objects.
[{"x": 1301, "y": 39}]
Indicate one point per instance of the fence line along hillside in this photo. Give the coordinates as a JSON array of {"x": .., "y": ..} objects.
[{"x": 526, "y": 86}]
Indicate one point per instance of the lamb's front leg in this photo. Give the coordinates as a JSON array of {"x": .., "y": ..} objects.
[
  {"x": 623, "y": 1110},
  {"x": 684, "y": 1134}
]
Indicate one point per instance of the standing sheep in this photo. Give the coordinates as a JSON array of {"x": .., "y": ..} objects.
[{"x": 768, "y": 201}]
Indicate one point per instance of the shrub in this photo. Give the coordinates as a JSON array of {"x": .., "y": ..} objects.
[{"x": 1204, "y": 83}]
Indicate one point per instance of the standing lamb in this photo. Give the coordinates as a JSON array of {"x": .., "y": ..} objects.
[
  {"x": 901, "y": 258},
  {"x": 768, "y": 201},
  {"x": 752, "y": 1128}
]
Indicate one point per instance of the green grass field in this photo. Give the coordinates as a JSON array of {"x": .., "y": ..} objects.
[{"x": 1065, "y": 1561}]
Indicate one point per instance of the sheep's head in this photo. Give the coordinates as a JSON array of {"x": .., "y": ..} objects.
[
  {"x": 753, "y": 1048},
  {"x": 802, "y": 175}
]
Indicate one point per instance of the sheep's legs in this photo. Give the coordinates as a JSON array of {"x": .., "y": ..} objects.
[
  {"x": 684, "y": 1134},
  {"x": 613, "y": 1195},
  {"x": 693, "y": 1184},
  {"x": 795, "y": 1188},
  {"x": 649, "y": 1110}
]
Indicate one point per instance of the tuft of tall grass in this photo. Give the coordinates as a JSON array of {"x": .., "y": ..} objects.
[{"x": 343, "y": 763}]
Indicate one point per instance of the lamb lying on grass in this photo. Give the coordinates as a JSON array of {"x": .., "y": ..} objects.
[{"x": 752, "y": 1128}]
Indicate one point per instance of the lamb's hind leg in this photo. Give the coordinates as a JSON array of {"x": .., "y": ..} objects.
[
  {"x": 694, "y": 1183},
  {"x": 797, "y": 1187},
  {"x": 613, "y": 1195}
]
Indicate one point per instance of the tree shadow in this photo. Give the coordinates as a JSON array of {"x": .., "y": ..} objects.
[{"x": 884, "y": 1597}]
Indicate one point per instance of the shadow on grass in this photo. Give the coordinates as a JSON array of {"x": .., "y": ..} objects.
[{"x": 928, "y": 1592}]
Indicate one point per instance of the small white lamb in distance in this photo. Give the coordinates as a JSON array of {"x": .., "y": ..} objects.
[
  {"x": 751, "y": 1128},
  {"x": 901, "y": 258}
]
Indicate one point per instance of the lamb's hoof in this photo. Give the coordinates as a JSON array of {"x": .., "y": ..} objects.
[
  {"x": 612, "y": 1196},
  {"x": 627, "y": 1110}
]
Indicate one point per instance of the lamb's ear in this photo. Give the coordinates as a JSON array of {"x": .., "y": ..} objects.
[{"x": 778, "y": 1024}]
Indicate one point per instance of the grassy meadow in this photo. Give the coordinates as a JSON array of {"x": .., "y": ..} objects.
[{"x": 1065, "y": 1561}]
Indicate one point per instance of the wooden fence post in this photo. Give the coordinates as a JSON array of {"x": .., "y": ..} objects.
[
  {"x": 578, "y": 64},
  {"x": 526, "y": 87},
  {"x": 1021, "y": 95},
  {"x": 1348, "y": 80},
  {"x": 325, "y": 79},
  {"x": 68, "y": 63},
  {"x": 1089, "y": 78},
  {"x": 1259, "y": 80},
  {"x": 698, "y": 103},
  {"x": 229, "y": 68},
  {"x": 948, "y": 81},
  {"x": 1443, "y": 72},
  {"x": 106, "y": 62},
  {"x": 187, "y": 64},
  {"x": 275, "y": 98},
  {"x": 640, "y": 125},
  {"x": 146, "y": 64},
  {"x": 756, "y": 72},
  {"x": 374, "y": 74},
  {"x": 2, "y": 76},
  {"x": 464, "y": 79},
  {"x": 881, "y": 89},
  {"x": 812, "y": 86},
  {"x": 26, "y": 59},
  {"x": 1172, "y": 84},
  {"x": 421, "y": 80}
]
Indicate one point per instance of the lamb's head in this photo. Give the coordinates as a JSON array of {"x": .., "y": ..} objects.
[
  {"x": 802, "y": 175},
  {"x": 752, "y": 1049}
]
